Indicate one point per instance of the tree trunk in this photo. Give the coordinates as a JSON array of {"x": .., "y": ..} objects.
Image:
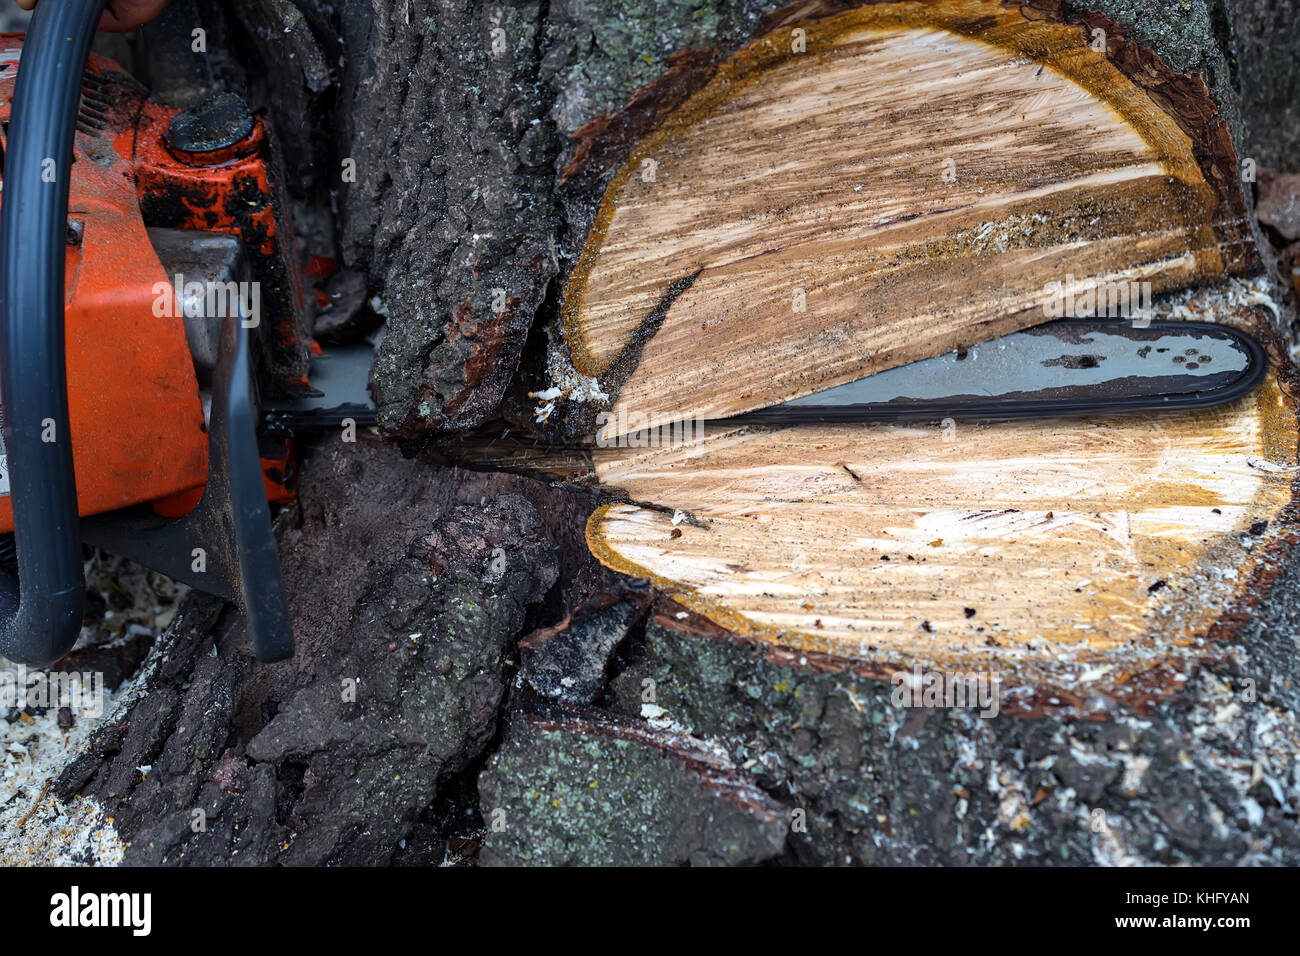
[{"x": 469, "y": 675}]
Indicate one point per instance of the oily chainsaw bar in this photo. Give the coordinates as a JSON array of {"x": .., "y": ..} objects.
[{"x": 1064, "y": 368}]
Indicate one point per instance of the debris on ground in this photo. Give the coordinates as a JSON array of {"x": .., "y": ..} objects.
[{"x": 46, "y": 718}]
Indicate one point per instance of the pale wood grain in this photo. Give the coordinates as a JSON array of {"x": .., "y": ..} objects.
[
  {"x": 822, "y": 171},
  {"x": 871, "y": 542}
]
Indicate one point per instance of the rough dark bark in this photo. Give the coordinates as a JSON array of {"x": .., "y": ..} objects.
[
  {"x": 451, "y": 210},
  {"x": 404, "y": 622},
  {"x": 882, "y": 785},
  {"x": 1268, "y": 77},
  {"x": 605, "y": 791}
]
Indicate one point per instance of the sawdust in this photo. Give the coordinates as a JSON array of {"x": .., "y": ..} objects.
[
  {"x": 125, "y": 602},
  {"x": 35, "y": 828},
  {"x": 565, "y": 382}
]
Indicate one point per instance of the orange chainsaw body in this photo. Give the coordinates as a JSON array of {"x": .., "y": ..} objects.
[{"x": 136, "y": 415}]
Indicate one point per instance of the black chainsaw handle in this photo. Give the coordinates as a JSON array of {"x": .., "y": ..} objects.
[{"x": 40, "y": 616}]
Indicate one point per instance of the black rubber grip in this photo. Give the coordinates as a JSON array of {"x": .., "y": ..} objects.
[{"x": 41, "y": 613}]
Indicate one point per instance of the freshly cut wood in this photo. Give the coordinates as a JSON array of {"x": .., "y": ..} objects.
[
  {"x": 855, "y": 191},
  {"x": 1035, "y": 549}
]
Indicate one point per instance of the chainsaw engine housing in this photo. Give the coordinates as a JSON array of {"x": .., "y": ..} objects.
[{"x": 161, "y": 198}]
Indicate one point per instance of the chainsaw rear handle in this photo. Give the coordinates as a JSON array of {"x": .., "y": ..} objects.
[{"x": 40, "y": 615}]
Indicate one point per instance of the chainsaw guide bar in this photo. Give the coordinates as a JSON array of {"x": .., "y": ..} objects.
[{"x": 1068, "y": 367}]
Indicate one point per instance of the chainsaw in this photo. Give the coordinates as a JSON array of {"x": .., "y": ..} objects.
[
  {"x": 161, "y": 451},
  {"x": 140, "y": 249}
]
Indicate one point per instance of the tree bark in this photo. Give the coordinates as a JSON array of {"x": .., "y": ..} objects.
[{"x": 467, "y": 674}]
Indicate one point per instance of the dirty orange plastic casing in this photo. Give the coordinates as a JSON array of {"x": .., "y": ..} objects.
[
  {"x": 134, "y": 410},
  {"x": 138, "y": 432}
]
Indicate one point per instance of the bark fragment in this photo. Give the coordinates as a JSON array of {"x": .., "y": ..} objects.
[
  {"x": 570, "y": 786},
  {"x": 569, "y": 660}
]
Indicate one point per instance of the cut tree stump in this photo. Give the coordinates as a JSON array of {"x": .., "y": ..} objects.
[
  {"x": 778, "y": 225},
  {"x": 812, "y": 162}
]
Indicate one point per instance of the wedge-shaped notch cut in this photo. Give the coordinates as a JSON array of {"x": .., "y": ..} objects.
[{"x": 891, "y": 183}]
